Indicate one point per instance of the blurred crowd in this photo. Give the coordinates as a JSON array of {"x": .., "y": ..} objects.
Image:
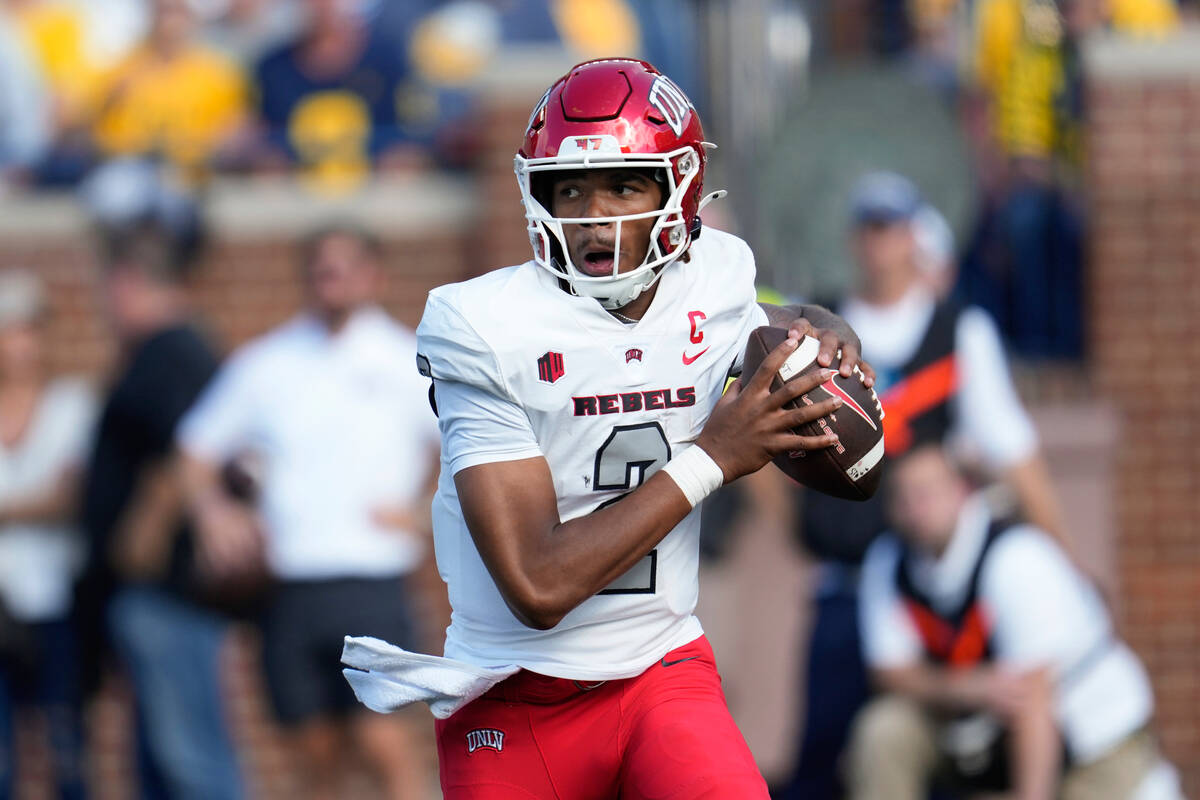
[
  {"x": 1010, "y": 74},
  {"x": 288, "y": 487},
  {"x": 331, "y": 88}
]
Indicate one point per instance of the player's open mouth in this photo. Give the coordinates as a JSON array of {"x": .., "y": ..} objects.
[{"x": 598, "y": 263}]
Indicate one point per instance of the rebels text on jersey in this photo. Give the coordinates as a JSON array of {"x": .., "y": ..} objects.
[{"x": 523, "y": 369}]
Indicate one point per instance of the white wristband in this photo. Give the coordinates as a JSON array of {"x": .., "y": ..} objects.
[{"x": 695, "y": 473}]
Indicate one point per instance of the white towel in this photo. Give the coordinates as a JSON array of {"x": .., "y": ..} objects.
[{"x": 386, "y": 678}]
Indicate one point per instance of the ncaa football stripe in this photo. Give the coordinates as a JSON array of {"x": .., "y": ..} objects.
[
  {"x": 867, "y": 462},
  {"x": 806, "y": 353}
]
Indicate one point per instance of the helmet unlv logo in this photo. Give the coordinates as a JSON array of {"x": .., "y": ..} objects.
[
  {"x": 481, "y": 738},
  {"x": 550, "y": 367},
  {"x": 671, "y": 102}
]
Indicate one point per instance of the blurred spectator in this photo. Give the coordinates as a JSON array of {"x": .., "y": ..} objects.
[
  {"x": 333, "y": 100},
  {"x": 1025, "y": 263},
  {"x": 453, "y": 44},
  {"x": 597, "y": 28},
  {"x": 1020, "y": 52},
  {"x": 935, "y": 254},
  {"x": 348, "y": 444},
  {"x": 1143, "y": 17},
  {"x": 587, "y": 28},
  {"x": 44, "y": 424},
  {"x": 142, "y": 558},
  {"x": 57, "y": 37},
  {"x": 25, "y": 114},
  {"x": 941, "y": 373},
  {"x": 247, "y": 29},
  {"x": 997, "y": 662},
  {"x": 172, "y": 97}
]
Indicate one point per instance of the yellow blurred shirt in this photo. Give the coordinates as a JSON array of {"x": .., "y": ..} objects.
[
  {"x": 1143, "y": 17},
  {"x": 1019, "y": 65},
  {"x": 597, "y": 28},
  {"x": 56, "y": 34},
  {"x": 183, "y": 108}
]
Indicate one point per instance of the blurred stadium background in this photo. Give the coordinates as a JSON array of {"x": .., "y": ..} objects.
[{"x": 1060, "y": 138}]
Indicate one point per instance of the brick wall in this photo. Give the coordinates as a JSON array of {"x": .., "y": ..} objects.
[{"x": 1144, "y": 293}]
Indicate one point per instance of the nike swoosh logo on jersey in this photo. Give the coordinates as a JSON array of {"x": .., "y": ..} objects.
[
  {"x": 687, "y": 361},
  {"x": 666, "y": 663}
]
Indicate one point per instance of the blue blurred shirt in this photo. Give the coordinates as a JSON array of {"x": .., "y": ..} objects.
[{"x": 354, "y": 114}]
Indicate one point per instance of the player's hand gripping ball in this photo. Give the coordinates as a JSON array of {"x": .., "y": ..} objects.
[{"x": 850, "y": 469}]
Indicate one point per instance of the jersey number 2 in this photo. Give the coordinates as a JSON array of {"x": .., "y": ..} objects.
[{"x": 628, "y": 456}]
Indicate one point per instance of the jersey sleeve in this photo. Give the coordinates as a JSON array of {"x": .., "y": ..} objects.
[
  {"x": 992, "y": 421},
  {"x": 889, "y": 639},
  {"x": 753, "y": 316},
  {"x": 481, "y": 420}
]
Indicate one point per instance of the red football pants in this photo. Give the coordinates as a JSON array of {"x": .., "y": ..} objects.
[{"x": 664, "y": 735}]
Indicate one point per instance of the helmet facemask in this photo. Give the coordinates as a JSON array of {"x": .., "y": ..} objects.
[{"x": 669, "y": 237}]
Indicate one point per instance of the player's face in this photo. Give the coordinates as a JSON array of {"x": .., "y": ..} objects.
[
  {"x": 927, "y": 495},
  {"x": 342, "y": 276},
  {"x": 884, "y": 251},
  {"x": 173, "y": 22},
  {"x": 20, "y": 350},
  {"x": 606, "y": 193}
]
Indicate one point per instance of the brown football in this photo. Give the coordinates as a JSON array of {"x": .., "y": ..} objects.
[{"x": 851, "y": 469}]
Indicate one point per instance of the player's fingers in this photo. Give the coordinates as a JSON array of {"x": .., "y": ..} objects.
[
  {"x": 799, "y": 328},
  {"x": 829, "y": 347},
  {"x": 761, "y": 380},
  {"x": 798, "y": 386},
  {"x": 849, "y": 358},
  {"x": 868, "y": 373},
  {"x": 795, "y": 417},
  {"x": 790, "y": 442}
]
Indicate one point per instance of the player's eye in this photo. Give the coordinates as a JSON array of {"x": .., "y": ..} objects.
[
  {"x": 628, "y": 189},
  {"x": 569, "y": 192}
]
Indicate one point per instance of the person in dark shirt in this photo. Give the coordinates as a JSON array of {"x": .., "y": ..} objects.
[
  {"x": 335, "y": 101},
  {"x": 163, "y": 633}
]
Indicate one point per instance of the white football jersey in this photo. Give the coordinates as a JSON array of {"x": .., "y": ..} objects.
[{"x": 522, "y": 368}]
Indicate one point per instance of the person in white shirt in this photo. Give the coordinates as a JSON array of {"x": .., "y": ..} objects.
[
  {"x": 339, "y": 421},
  {"x": 996, "y": 662},
  {"x": 44, "y": 429}
]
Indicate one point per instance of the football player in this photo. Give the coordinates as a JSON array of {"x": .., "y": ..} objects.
[{"x": 583, "y": 421}]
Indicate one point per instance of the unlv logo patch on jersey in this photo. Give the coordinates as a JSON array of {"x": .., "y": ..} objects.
[
  {"x": 488, "y": 738},
  {"x": 550, "y": 367}
]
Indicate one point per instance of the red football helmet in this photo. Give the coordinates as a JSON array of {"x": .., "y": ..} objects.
[{"x": 615, "y": 112}]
